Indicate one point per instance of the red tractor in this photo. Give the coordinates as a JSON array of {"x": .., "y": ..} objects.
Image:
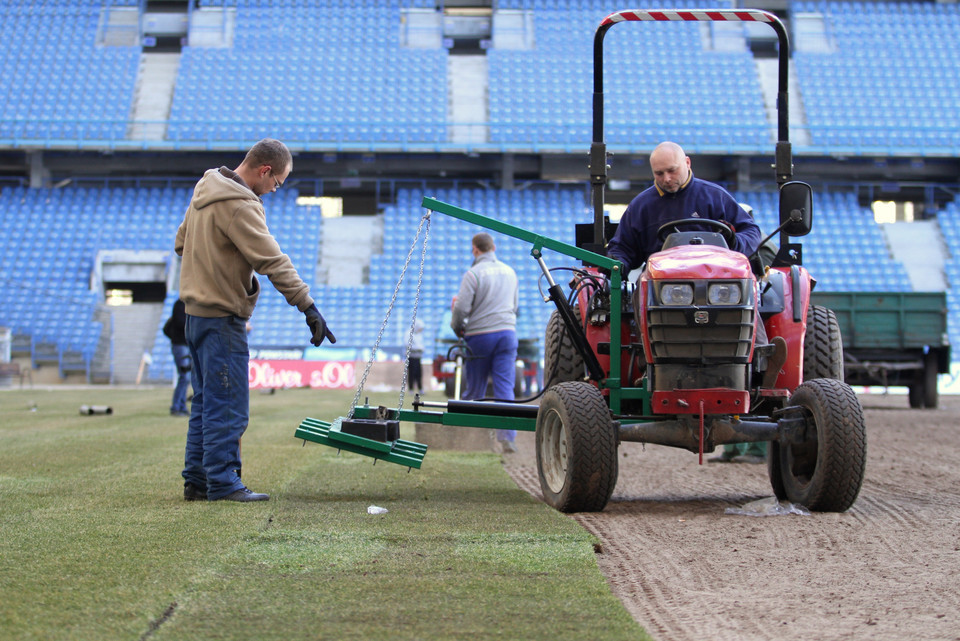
[
  {"x": 672, "y": 359},
  {"x": 683, "y": 367}
]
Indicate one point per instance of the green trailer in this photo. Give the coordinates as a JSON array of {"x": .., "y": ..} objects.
[{"x": 893, "y": 339}]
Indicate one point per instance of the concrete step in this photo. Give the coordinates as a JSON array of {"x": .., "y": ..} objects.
[
  {"x": 156, "y": 80},
  {"x": 467, "y": 98},
  {"x": 348, "y": 243},
  {"x": 769, "y": 74},
  {"x": 134, "y": 330},
  {"x": 213, "y": 27},
  {"x": 919, "y": 245}
]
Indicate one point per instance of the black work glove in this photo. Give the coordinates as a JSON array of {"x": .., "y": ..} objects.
[{"x": 318, "y": 327}]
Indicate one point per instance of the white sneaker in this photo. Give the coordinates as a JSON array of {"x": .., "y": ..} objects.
[{"x": 508, "y": 447}]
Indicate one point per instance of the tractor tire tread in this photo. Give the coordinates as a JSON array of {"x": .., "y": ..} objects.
[
  {"x": 842, "y": 451},
  {"x": 561, "y": 360},
  {"x": 822, "y": 345},
  {"x": 593, "y": 451}
]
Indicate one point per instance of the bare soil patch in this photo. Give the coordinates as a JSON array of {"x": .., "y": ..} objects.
[{"x": 888, "y": 568}]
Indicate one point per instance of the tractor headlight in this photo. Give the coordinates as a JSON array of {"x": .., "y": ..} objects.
[
  {"x": 676, "y": 294},
  {"x": 724, "y": 294}
]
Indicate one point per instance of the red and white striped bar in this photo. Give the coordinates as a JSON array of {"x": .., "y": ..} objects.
[{"x": 694, "y": 15}]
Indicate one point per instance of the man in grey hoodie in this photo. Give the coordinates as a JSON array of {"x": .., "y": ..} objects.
[
  {"x": 224, "y": 240},
  {"x": 485, "y": 315}
]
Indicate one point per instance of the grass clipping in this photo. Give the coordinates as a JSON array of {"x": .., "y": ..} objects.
[{"x": 98, "y": 542}]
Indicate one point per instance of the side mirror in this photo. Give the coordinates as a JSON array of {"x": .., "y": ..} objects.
[{"x": 796, "y": 208}]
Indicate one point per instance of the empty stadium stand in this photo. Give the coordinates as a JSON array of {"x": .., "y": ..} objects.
[
  {"x": 58, "y": 85},
  {"x": 872, "y": 81},
  {"x": 861, "y": 86},
  {"x": 338, "y": 75},
  {"x": 53, "y": 238}
]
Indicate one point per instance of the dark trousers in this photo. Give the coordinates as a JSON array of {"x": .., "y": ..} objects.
[
  {"x": 415, "y": 374},
  {"x": 493, "y": 356},
  {"x": 221, "y": 403},
  {"x": 181, "y": 362}
]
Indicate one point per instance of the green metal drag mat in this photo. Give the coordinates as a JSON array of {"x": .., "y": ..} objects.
[
  {"x": 401, "y": 452},
  {"x": 410, "y": 453}
]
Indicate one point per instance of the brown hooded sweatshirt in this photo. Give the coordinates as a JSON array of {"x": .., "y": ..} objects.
[{"x": 223, "y": 240}]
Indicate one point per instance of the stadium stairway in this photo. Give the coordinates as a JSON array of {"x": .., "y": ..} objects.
[
  {"x": 156, "y": 80},
  {"x": 347, "y": 245},
  {"x": 133, "y": 336},
  {"x": 767, "y": 72},
  {"x": 920, "y": 246},
  {"x": 467, "y": 98}
]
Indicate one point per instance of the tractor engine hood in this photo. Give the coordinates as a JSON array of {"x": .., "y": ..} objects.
[{"x": 697, "y": 262}]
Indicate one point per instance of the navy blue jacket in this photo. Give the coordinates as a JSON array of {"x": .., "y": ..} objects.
[{"x": 636, "y": 236}]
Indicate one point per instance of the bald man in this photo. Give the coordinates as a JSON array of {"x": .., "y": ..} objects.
[{"x": 676, "y": 194}]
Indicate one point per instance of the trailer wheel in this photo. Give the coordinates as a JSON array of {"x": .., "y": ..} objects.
[
  {"x": 576, "y": 448},
  {"x": 822, "y": 345},
  {"x": 561, "y": 360},
  {"x": 915, "y": 395},
  {"x": 824, "y": 472},
  {"x": 923, "y": 390},
  {"x": 931, "y": 397}
]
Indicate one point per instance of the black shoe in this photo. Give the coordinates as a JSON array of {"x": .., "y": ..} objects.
[
  {"x": 721, "y": 458},
  {"x": 244, "y": 495},
  {"x": 193, "y": 493},
  {"x": 752, "y": 459}
]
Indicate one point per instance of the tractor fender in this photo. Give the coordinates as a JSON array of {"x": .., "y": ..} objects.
[{"x": 791, "y": 322}]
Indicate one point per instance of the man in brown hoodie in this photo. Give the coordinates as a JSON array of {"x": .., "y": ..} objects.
[{"x": 224, "y": 242}]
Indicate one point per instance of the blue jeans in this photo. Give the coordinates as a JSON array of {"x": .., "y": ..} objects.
[
  {"x": 181, "y": 361},
  {"x": 221, "y": 403},
  {"x": 492, "y": 355}
]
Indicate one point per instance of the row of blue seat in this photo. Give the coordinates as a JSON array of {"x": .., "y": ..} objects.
[
  {"x": 845, "y": 251},
  {"x": 383, "y": 82}
]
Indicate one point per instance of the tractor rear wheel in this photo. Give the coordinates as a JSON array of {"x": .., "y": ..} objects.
[
  {"x": 824, "y": 472},
  {"x": 561, "y": 360},
  {"x": 576, "y": 448},
  {"x": 822, "y": 345}
]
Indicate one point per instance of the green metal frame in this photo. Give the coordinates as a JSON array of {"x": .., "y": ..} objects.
[
  {"x": 458, "y": 419},
  {"x": 411, "y": 454},
  {"x": 612, "y": 382}
]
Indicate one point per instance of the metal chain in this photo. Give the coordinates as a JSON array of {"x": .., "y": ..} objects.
[
  {"x": 396, "y": 290},
  {"x": 416, "y": 305}
]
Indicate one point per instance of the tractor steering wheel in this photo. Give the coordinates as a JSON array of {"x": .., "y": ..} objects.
[{"x": 718, "y": 225}]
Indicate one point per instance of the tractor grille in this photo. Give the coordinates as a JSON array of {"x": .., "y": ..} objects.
[{"x": 705, "y": 335}]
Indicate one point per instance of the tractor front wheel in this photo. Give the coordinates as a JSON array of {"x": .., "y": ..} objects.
[
  {"x": 576, "y": 448},
  {"x": 825, "y": 470}
]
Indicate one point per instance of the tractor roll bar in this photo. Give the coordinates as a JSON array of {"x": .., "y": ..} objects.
[{"x": 598, "y": 151}]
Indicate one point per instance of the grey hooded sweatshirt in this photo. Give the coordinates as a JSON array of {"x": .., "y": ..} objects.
[{"x": 488, "y": 299}]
